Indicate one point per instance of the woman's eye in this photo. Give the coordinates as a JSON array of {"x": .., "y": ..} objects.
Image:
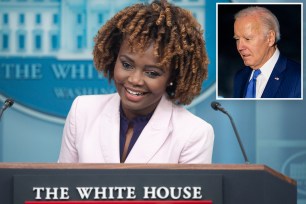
[
  {"x": 153, "y": 74},
  {"x": 126, "y": 65}
]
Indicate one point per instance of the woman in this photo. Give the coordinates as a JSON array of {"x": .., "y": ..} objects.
[{"x": 155, "y": 53}]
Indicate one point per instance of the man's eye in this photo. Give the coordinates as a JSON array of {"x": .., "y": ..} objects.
[{"x": 152, "y": 74}]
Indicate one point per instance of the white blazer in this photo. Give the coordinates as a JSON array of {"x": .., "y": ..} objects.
[{"x": 173, "y": 135}]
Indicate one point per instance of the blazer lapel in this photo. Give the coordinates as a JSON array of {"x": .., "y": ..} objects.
[
  {"x": 245, "y": 82},
  {"x": 109, "y": 131},
  {"x": 275, "y": 78},
  {"x": 153, "y": 135}
]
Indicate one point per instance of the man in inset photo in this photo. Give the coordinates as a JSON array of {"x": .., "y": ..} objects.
[{"x": 267, "y": 71}]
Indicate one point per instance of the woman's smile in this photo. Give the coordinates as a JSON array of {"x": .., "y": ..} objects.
[{"x": 134, "y": 96}]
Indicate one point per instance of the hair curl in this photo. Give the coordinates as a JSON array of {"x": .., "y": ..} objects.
[{"x": 178, "y": 42}]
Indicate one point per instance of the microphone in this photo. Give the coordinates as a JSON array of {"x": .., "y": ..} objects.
[
  {"x": 217, "y": 106},
  {"x": 8, "y": 103}
]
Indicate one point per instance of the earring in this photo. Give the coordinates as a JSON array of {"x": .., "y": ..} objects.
[{"x": 171, "y": 83}]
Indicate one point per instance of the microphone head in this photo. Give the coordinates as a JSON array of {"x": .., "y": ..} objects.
[
  {"x": 215, "y": 105},
  {"x": 9, "y": 102}
]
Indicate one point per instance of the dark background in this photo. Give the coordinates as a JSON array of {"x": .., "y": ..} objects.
[{"x": 229, "y": 61}]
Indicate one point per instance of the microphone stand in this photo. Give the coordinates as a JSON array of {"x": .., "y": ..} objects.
[
  {"x": 8, "y": 103},
  {"x": 238, "y": 138},
  {"x": 217, "y": 106}
]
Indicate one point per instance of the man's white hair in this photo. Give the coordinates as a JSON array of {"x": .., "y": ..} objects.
[{"x": 268, "y": 19}]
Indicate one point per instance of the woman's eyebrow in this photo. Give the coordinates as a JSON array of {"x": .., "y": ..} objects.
[
  {"x": 125, "y": 56},
  {"x": 152, "y": 66},
  {"x": 155, "y": 67}
]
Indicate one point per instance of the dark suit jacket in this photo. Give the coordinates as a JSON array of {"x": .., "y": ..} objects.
[{"x": 284, "y": 82}]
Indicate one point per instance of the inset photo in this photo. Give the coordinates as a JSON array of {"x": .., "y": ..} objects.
[{"x": 259, "y": 51}]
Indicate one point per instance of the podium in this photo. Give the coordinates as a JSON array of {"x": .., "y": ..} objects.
[{"x": 29, "y": 183}]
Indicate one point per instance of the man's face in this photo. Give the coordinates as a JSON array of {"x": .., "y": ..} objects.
[{"x": 254, "y": 45}]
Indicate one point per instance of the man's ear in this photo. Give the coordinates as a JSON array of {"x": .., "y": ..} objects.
[{"x": 271, "y": 38}]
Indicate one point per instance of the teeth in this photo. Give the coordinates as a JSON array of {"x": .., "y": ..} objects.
[{"x": 135, "y": 93}]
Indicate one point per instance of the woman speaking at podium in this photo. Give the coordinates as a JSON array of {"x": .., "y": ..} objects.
[{"x": 156, "y": 56}]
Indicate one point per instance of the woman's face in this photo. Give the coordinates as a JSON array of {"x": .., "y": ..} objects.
[{"x": 139, "y": 81}]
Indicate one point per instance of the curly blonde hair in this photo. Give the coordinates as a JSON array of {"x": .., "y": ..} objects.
[{"x": 178, "y": 42}]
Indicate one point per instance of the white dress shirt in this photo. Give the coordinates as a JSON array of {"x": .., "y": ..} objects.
[{"x": 266, "y": 71}]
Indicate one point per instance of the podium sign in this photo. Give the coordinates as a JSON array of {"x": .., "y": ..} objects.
[
  {"x": 26, "y": 183},
  {"x": 120, "y": 202},
  {"x": 117, "y": 186}
]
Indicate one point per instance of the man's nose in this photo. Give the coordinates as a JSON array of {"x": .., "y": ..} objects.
[{"x": 240, "y": 45}]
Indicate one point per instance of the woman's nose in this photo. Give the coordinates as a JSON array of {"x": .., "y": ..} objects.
[{"x": 136, "y": 78}]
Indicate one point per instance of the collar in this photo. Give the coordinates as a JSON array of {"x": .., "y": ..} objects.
[
  {"x": 268, "y": 67},
  {"x": 136, "y": 120}
]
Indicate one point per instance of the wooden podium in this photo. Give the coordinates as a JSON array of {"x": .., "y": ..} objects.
[{"x": 39, "y": 183}]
